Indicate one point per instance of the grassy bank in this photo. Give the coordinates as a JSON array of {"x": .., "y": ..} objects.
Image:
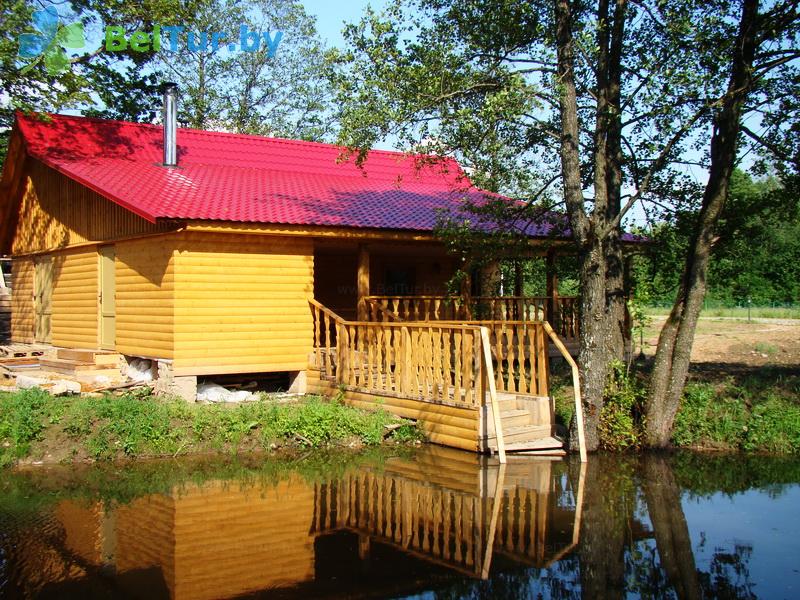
[
  {"x": 737, "y": 312},
  {"x": 755, "y": 410},
  {"x": 36, "y": 426}
]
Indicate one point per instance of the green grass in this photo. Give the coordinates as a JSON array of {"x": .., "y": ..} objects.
[
  {"x": 33, "y": 423},
  {"x": 755, "y": 415},
  {"x": 738, "y": 312}
]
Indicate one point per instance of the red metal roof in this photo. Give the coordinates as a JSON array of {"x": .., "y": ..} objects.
[{"x": 245, "y": 178}]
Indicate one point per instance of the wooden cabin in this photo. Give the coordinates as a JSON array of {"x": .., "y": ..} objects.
[{"x": 251, "y": 253}]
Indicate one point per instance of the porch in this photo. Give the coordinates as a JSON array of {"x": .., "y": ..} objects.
[
  {"x": 472, "y": 369},
  {"x": 477, "y": 385}
]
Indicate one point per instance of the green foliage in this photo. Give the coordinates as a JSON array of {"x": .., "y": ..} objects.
[
  {"x": 738, "y": 417},
  {"x": 704, "y": 474},
  {"x": 23, "y": 417},
  {"x": 111, "y": 427},
  {"x": 774, "y": 426},
  {"x": 620, "y": 419},
  {"x": 707, "y": 420},
  {"x": 242, "y": 91},
  {"x": 765, "y": 348},
  {"x": 757, "y": 257}
]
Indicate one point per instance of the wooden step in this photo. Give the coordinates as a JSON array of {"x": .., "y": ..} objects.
[
  {"x": 524, "y": 433},
  {"x": 104, "y": 358},
  {"x": 515, "y": 418},
  {"x": 78, "y": 368},
  {"x": 545, "y": 443}
]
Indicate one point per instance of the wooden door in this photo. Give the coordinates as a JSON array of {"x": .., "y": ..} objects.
[
  {"x": 108, "y": 308},
  {"x": 42, "y": 299}
]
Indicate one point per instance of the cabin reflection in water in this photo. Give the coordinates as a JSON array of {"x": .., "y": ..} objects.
[{"x": 390, "y": 528}]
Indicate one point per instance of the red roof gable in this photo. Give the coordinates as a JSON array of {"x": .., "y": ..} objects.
[{"x": 245, "y": 178}]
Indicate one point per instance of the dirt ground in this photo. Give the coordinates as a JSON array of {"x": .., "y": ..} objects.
[{"x": 761, "y": 343}]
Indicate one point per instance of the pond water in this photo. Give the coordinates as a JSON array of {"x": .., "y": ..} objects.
[{"x": 428, "y": 523}]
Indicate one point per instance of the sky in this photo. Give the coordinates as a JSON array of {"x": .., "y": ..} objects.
[{"x": 332, "y": 15}]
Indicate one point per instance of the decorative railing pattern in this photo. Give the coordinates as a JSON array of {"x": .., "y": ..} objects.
[
  {"x": 519, "y": 355},
  {"x": 440, "y": 524},
  {"x": 434, "y": 362},
  {"x": 439, "y": 361},
  {"x": 479, "y": 308}
]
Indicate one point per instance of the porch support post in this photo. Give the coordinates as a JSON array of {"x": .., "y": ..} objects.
[
  {"x": 552, "y": 286},
  {"x": 518, "y": 283},
  {"x": 362, "y": 283}
]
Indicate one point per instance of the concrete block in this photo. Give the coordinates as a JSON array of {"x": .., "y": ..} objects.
[{"x": 167, "y": 384}]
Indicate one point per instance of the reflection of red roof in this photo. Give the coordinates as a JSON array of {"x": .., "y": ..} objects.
[{"x": 233, "y": 177}]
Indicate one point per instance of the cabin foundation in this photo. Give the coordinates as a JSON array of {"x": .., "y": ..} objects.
[{"x": 169, "y": 384}]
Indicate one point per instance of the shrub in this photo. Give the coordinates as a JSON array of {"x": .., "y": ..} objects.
[
  {"x": 709, "y": 419},
  {"x": 620, "y": 420},
  {"x": 774, "y": 426}
]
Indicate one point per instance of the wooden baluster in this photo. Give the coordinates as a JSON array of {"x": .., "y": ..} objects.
[
  {"x": 317, "y": 342},
  {"x": 436, "y": 341},
  {"x": 380, "y": 383},
  {"x": 386, "y": 352},
  {"x": 509, "y": 331},
  {"x": 445, "y": 362},
  {"x": 405, "y": 357},
  {"x": 459, "y": 527},
  {"x": 469, "y": 527},
  {"x": 351, "y": 353},
  {"x": 457, "y": 354},
  {"x": 497, "y": 344},
  {"x": 466, "y": 365},
  {"x": 522, "y": 333},
  {"x": 418, "y": 364}
]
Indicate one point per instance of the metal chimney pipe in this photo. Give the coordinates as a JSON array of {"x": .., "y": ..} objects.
[{"x": 170, "y": 119}]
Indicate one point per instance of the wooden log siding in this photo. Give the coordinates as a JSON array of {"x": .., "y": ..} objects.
[
  {"x": 57, "y": 211},
  {"x": 145, "y": 297},
  {"x": 241, "y": 303}
]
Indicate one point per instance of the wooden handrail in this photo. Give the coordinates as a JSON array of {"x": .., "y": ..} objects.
[
  {"x": 576, "y": 387},
  {"x": 489, "y": 376},
  {"x": 326, "y": 310}
]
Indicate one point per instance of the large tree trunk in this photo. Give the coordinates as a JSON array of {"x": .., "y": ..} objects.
[
  {"x": 599, "y": 251},
  {"x": 594, "y": 355},
  {"x": 675, "y": 342}
]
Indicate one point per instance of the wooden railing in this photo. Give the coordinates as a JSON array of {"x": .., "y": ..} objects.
[
  {"x": 480, "y": 308},
  {"x": 576, "y": 388},
  {"x": 433, "y": 362},
  {"x": 440, "y": 361},
  {"x": 519, "y": 355},
  {"x": 326, "y": 335}
]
